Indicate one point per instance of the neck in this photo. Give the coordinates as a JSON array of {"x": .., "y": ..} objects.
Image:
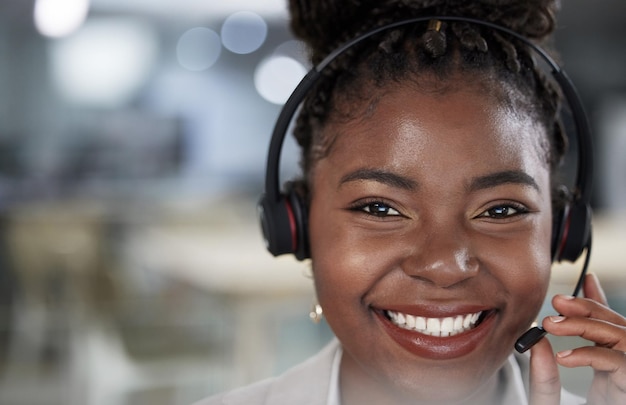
[{"x": 358, "y": 387}]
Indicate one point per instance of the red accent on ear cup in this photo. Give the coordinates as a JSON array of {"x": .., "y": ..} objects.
[
  {"x": 564, "y": 235},
  {"x": 301, "y": 229},
  {"x": 559, "y": 221},
  {"x": 292, "y": 227}
]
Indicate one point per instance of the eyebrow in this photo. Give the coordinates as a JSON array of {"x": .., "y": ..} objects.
[
  {"x": 499, "y": 178},
  {"x": 478, "y": 183},
  {"x": 381, "y": 176}
]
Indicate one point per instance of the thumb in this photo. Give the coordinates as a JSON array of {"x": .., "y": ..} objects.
[{"x": 545, "y": 384}]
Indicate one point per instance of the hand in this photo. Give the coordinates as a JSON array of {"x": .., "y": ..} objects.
[{"x": 591, "y": 319}]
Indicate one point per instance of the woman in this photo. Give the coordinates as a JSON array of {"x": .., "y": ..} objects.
[{"x": 430, "y": 156}]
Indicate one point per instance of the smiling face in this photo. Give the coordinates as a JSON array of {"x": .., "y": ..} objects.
[{"x": 430, "y": 225}]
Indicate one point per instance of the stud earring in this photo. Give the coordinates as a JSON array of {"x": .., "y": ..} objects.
[{"x": 317, "y": 313}]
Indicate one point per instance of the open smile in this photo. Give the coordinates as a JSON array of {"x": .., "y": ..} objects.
[
  {"x": 446, "y": 337},
  {"x": 441, "y": 327}
]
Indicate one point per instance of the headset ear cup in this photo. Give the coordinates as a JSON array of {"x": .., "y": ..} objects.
[
  {"x": 284, "y": 224},
  {"x": 278, "y": 224},
  {"x": 573, "y": 233}
]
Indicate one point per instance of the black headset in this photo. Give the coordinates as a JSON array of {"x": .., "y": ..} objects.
[{"x": 283, "y": 216}]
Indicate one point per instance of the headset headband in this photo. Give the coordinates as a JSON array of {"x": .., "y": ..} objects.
[
  {"x": 584, "y": 170},
  {"x": 284, "y": 221}
]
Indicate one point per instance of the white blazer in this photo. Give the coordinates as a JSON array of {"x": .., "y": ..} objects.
[{"x": 309, "y": 383}]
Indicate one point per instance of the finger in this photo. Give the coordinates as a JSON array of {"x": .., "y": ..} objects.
[
  {"x": 545, "y": 384},
  {"x": 609, "y": 365},
  {"x": 586, "y": 308},
  {"x": 593, "y": 289},
  {"x": 598, "y": 358},
  {"x": 601, "y": 332}
]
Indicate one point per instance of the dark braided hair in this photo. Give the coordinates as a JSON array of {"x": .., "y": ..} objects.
[{"x": 436, "y": 51}]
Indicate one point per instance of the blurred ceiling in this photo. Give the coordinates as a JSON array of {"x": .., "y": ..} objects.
[
  {"x": 211, "y": 9},
  {"x": 586, "y": 16},
  {"x": 175, "y": 9}
]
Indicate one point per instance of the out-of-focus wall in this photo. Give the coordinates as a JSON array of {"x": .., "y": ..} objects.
[{"x": 132, "y": 148}]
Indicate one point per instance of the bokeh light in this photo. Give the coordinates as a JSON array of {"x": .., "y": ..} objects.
[
  {"x": 276, "y": 77},
  {"x": 198, "y": 49},
  {"x": 105, "y": 63},
  {"x": 244, "y": 32},
  {"x": 59, "y": 18}
]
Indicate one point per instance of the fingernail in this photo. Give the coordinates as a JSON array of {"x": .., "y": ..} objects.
[
  {"x": 565, "y": 297},
  {"x": 557, "y": 319},
  {"x": 564, "y": 353}
]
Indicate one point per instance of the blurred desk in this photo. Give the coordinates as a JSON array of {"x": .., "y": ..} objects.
[
  {"x": 265, "y": 294},
  {"x": 218, "y": 258}
]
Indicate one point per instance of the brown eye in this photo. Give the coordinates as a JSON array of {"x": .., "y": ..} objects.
[
  {"x": 379, "y": 209},
  {"x": 504, "y": 211}
]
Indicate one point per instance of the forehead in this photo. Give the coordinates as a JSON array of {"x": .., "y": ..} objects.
[{"x": 462, "y": 128}]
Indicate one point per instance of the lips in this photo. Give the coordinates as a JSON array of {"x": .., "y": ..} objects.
[{"x": 445, "y": 337}]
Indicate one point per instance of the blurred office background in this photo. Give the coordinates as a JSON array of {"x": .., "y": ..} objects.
[{"x": 133, "y": 136}]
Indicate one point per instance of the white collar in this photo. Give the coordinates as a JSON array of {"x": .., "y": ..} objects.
[
  {"x": 333, "y": 388},
  {"x": 511, "y": 376}
]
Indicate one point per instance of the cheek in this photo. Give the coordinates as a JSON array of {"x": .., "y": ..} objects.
[
  {"x": 523, "y": 268},
  {"x": 539, "y": 252},
  {"x": 345, "y": 266},
  {"x": 337, "y": 261},
  {"x": 337, "y": 283}
]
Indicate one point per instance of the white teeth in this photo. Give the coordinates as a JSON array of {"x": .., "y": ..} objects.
[
  {"x": 458, "y": 323},
  {"x": 401, "y": 318},
  {"x": 467, "y": 321},
  {"x": 448, "y": 326},
  {"x": 410, "y": 321},
  {"x": 433, "y": 326}
]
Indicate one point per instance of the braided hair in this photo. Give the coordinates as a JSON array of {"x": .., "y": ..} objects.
[{"x": 438, "y": 50}]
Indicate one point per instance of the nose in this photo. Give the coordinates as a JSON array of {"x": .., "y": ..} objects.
[{"x": 443, "y": 259}]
